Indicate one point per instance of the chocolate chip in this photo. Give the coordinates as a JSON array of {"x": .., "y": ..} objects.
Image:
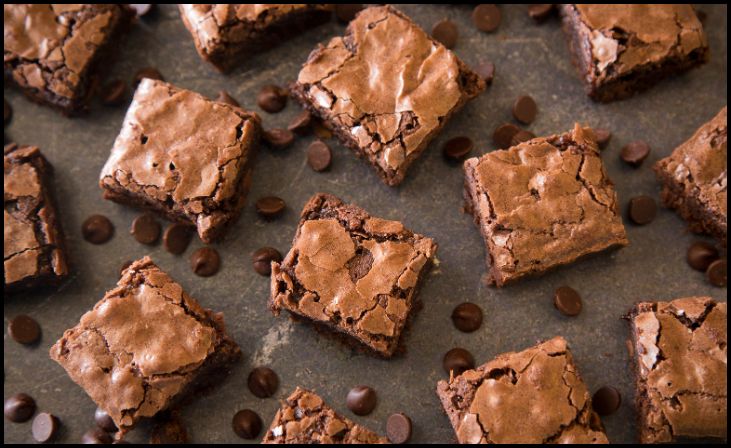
[
  {"x": 8, "y": 112},
  {"x": 177, "y": 237},
  {"x": 716, "y": 272},
  {"x": 319, "y": 156},
  {"x": 24, "y": 329},
  {"x": 642, "y": 210},
  {"x": 272, "y": 98},
  {"x": 457, "y": 148},
  {"x": 702, "y": 16},
  {"x": 205, "y": 261},
  {"x": 263, "y": 382},
  {"x": 361, "y": 400},
  {"x": 467, "y": 317},
  {"x": 458, "y": 360},
  {"x": 301, "y": 124},
  {"x": 522, "y": 136},
  {"x": 540, "y": 13},
  {"x": 124, "y": 267},
  {"x": 146, "y": 229},
  {"x": 320, "y": 130},
  {"x": 525, "y": 109},
  {"x": 347, "y": 12},
  {"x": 45, "y": 427},
  {"x": 445, "y": 32},
  {"x": 96, "y": 436},
  {"x": 19, "y": 408},
  {"x": 398, "y": 428},
  {"x": 246, "y": 424},
  {"x": 141, "y": 10},
  {"x": 486, "y": 71},
  {"x": 503, "y": 135},
  {"x": 270, "y": 207},
  {"x": 486, "y": 17},
  {"x": 602, "y": 136},
  {"x": 278, "y": 138},
  {"x": 104, "y": 421},
  {"x": 263, "y": 258},
  {"x": 606, "y": 400},
  {"x": 224, "y": 97},
  {"x": 169, "y": 429},
  {"x": 147, "y": 72},
  {"x": 97, "y": 229},
  {"x": 567, "y": 301},
  {"x": 701, "y": 255},
  {"x": 634, "y": 153},
  {"x": 114, "y": 93}
]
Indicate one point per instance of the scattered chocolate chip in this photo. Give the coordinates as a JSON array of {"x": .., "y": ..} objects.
[
  {"x": 263, "y": 382},
  {"x": 606, "y": 400},
  {"x": 24, "y": 329},
  {"x": 398, "y": 428},
  {"x": 321, "y": 131},
  {"x": 486, "y": 71},
  {"x": 458, "y": 360},
  {"x": 319, "y": 156},
  {"x": 20, "y": 408},
  {"x": 104, "y": 421},
  {"x": 272, "y": 98},
  {"x": 97, "y": 229},
  {"x": 486, "y": 17},
  {"x": 96, "y": 436},
  {"x": 124, "y": 267},
  {"x": 522, "y": 136},
  {"x": 467, "y": 317},
  {"x": 525, "y": 109},
  {"x": 602, "y": 136},
  {"x": 503, "y": 135},
  {"x": 701, "y": 255},
  {"x": 642, "y": 210},
  {"x": 205, "y": 261},
  {"x": 169, "y": 429},
  {"x": 716, "y": 272},
  {"x": 540, "y": 13},
  {"x": 347, "y": 12},
  {"x": 141, "y": 10},
  {"x": 147, "y": 72},
  {"x": 146, "y": 229},
  {"x": 278, "y": 138},
  {"x": 45, "y": 427},
  {"x": 567, "y": 301},
  {"x": 114, "y": 93},
  {"x": 634, "y": 153},
  {"x": 301, "y": 124},
  {"x": 270, "y": 207},
  {"x": 361, "y": 400},
  {"x": 8, "y": 112},
  {"x": 445, "y": 32},
  {"x": 457, "y": 148},
  {"x": 263, "y": 258},
  {"x": 246, "y": 424},
  {"x": 224, "y": 97},
  {"x": 177, "y": 237},
  {"x": 702, "y": 16}
]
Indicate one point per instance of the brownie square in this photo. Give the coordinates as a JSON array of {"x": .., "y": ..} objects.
[
  {"x": 33, "y": 247},
  {"x": 352, "y": 274},
  {"x": 225, "y": 35},
  {"x": 145, "y": 346},
  {"x": 385, "y": 89},
  {"x": 542, "y": 204},
  {"x": 679, "y": 351},
  {"x": 305, "y": 419},
  {"x": 623, "y": 49},
  {"x": 693, "y": 179},
  {"x": 533, "y": 396},
  {"x": 184, "y": 156},
  {"x": 52, "y": 52}
]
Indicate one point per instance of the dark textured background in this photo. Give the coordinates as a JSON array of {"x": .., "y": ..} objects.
[{"x": 531, "y": 60}]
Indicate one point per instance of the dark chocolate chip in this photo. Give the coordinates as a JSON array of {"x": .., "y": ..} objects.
[
  {"x": 263, "y": 382},
  {"x": 361, "y": 400},
  {"x": 205, "y": 261},
  {"x": 503, "y": 135},
  {"x": 124, "y": 267},
  {"x": 270, "y": 207},
  {"x": 525, "y": 109},
  {"x": 96, "y": 436},
  {"x": 20, "y": 408},
  {"x": 301, "y": 124},
  {"x": 169, "y": 430},
  {"x": 540, "y": 13},
  {"x": 24, "y": 329},
  {"x": 567, "y": 301},
  {"x": 114, "y": 93},
  {"x": 716, "y": 272},
  {"x": 45, "y": 427},
  {"x": 97, "y": 229},
  {"x": 104, "y": 421},
  {"x": 272, "y": 98},
  {"x": 319, "y": 156},
  {"x": 8, "y": 112},
  {"x": 634, "y": 153},
  {"x": 278, "y": 138},
  {"x": 147, "y": 72},
  {"x": 606, "y": 400},
  {"x": 642, "y": 210},
  {"x": 263, "y": 258},
  {"x": 177, "y": 237},
  {"x": 467, "y": 317},
  {"x": 398, "y": 428},
  {"x": 445, "y": 32},
  {"x": 141, "y": 10},
  {"x": 701, "y": 255},
  {"x": 320, "y": 130},
  {"x": 522, "y": 136},
  {"x": 457, "y": 148},
  {"x": 602, "y": 136},
  {"x": 458, "y": 360},
  {"x": 486, "y": 71},
  {"x": 224, "y": 97},
  {"x": 246, "y": 424},
  {"x": 146, "y": 229},
  {"x": 347, "y": 12},
  {"x": 486, "y": 17},
  {"x": 702, "y": 16}
]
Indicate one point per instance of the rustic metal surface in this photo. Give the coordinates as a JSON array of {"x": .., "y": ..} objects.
[{"x": 530, "y": 59}]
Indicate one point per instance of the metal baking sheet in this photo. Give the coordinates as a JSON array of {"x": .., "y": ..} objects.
[{"x": 530, "y": 59}]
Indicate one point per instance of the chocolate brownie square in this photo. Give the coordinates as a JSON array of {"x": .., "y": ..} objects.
[
  {"x": 679, "y": 351},
  {"x": 225, "y": 35},
  {"x": 533, "y": 396},
  {"x": 542, "y": 204},
  {"x": 693, "y": 179},
  {"x": 385, "y": 89},
  {"x": 623, "y": 49},
  {"x": 33, "y": 247},
  {"x": 145, "y": 347},
  {"x": 52, "y": 52},
  {"x": 184, "y": 156},
  {"x": 305, "y": 419},
  {"x": 352, "y": 274}
]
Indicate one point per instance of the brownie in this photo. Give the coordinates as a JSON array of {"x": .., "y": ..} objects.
[
  {"x": 53, "y": 52},
  {"x": 542, "y": 204},
  {"x": 184, "y": 156},
  {"x": 305, "y": 419},
  {"x": 352, "y": 274},
  {"x": 533, "y": 396},
  {"x": 225, "y": 35},
  {"x": 679, "y": 351},
  {"x": 385, "y": 89},
  {"x": 623, "y": 49},
  {"x": 34, "y": 244},
  {"x": 694, "y": 179},
  {"x": 145, "y": 347}
]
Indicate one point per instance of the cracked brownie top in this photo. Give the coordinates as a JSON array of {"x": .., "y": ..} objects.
[
  {"x": 680, "y": 350},
  {"x": 533, "y": 396}
]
